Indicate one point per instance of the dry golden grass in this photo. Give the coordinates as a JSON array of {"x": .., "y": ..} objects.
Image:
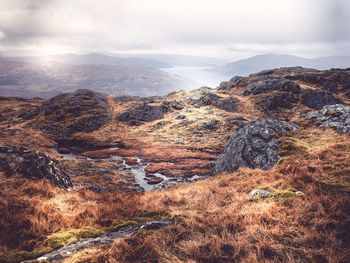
[{"x": 219, "y": 222}]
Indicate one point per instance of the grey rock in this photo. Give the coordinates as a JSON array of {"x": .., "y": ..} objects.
[
  {"x": 33, "y": 164},
  {"x": 255, "y": 145},
  {"x": 267, "y": 84},
  {"x": 332, "y": 116},
  {"x": 259, "y": 193},
  {"x": 176, "y": 105},
  {"x": 144, "y": 112},
  {"x": 181, "y": 117},
  {"x": 202, "y": 98},
  {"x": 211, "y": 125},
  {"x": 318, "y": 99}
]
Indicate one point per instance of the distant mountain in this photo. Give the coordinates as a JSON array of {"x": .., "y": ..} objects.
[
  {"x": 96, "y": 59},
  {"x": 178, "y": 60},
  {"x": 268, "y": 61},
  {"x": 46, "y": 78}
]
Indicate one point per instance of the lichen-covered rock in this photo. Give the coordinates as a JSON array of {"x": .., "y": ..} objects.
[
  {"x": 33, "y": 164},
  {"x": 255, "y": 145},
  {"x": 259, "y": 193},
  {"x": 318, "y": 99},
  {"x": 332, "y": 116},
  {"x": 144, "y": 112}
]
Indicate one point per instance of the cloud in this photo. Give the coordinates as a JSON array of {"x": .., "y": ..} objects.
[{"x": 181, "y": 25}]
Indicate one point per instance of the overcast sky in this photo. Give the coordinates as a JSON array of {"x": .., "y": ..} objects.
[{"x": 220, "y": 28}]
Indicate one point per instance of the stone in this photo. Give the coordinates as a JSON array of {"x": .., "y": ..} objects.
[
  {"x": 318, "y": 99},
  {"x": 144, "y": 112},
  {"x": 180, "y": 117},
  {"x": 255, "y": 145},
  {"x": 259, "y": 193},
  {"x": 34, "y": 165},
  {"x": 211, "y": 125},
  {"x": 176, "y": 105},
  {"x": 332, "y": 116}
]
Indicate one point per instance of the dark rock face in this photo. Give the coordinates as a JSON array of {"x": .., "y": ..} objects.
[
  {"x": 204, "y": 98},
  {"x": 227, "y": 104},
  {"x": 144, "y": 112},
  {"x": 318, "y": 99},
  {"x": 332, "y": 116},
  {"x": 334, "y": 80},
  {"x": 226, "y": 85},
  {"x": 267, "y": 84},
  {"x": 33, "y": 164},
  {"x": 82, "y": 110},
  {"x": 255, "y": 145},
  {"x": 275, "y": 100}
]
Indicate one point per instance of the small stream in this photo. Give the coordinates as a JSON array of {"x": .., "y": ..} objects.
[
  {"x": 138, "y": 171},
  {"x": 102, "y": 241}
]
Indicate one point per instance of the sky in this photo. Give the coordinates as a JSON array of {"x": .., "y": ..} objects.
[{"x": 227, "y": 29}]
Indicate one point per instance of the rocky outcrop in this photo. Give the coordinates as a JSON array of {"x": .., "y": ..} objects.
[
  {"x": 82, "y": 110},
  {"x": 255, "y": 145},
  {"x": 144, "y": 112},
  {"x": 33, "y": 164},
  {"x": 203, "y": 97},
  {"x": 274, "y": 101},
  {"x": 266, "y": 83},
  {"x": 334, "y": 80},
  {"x": 332, "y": 116},
  {"x": 317, "y": 99}
]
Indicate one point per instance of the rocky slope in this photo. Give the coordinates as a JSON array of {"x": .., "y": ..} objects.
[{"x": 188, "y": 157}]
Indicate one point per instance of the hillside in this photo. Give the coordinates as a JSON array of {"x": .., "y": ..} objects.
[
  {"x": 257, "y": 63},
  {"x": 256, "y": 170}
]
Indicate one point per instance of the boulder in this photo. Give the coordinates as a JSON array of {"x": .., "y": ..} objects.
[
  {"x": 332, "y": 116},
  {"x": 211, "y": 125},
  {"x": 144, "y": 112},
  {"x": 33, "y": 164},
  {"x": 317, "y": 99},
  {"x": 176, "y": 105},
  {"x": 255, "y": 145}
]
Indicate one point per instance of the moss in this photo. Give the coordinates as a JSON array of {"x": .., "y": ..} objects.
[
  {"x": 286, "y": 193},
  {"x": 289, "y": 146},
  {"x": 120, "y": 224},
  {"x": 62, "y": 238},
  {"x": 20, "y": 255}
]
